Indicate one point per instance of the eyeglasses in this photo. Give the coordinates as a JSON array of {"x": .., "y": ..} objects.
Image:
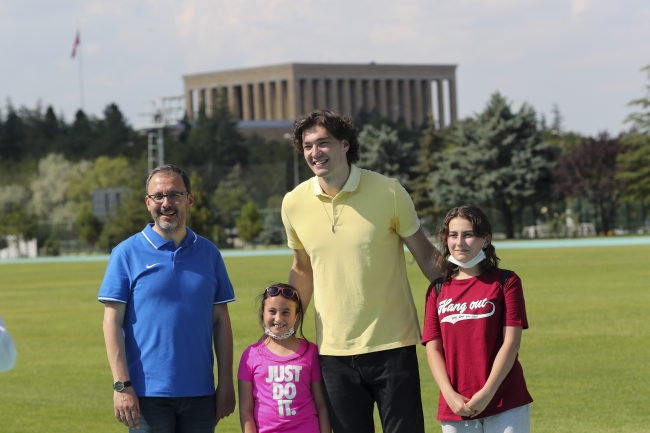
[
  {"x": 172, "y": 196},
  {"x": 287, "y": 292}
]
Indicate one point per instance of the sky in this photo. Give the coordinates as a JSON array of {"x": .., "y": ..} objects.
[{"x": 584, "y": 56}]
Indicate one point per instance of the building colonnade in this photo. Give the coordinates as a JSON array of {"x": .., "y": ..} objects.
[{"x": 282, "y": 98}]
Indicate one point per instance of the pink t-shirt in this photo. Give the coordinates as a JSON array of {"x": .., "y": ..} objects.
[
  {"x": 282, "y": 387},
  {"x": 469, "y": 316}
]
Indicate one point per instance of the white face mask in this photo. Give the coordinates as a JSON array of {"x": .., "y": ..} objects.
[
  {"x": 475, "y": 261},
  {"x": 284, "y": 336}
]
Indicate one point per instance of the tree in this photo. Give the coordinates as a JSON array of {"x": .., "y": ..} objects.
[
  {"x": 130, "y": 217},
  {"x": 634, "y": 164},
  {"x": 113, "y": 134},
  {"x": 272, "y": 229},
  {"x": 82, "y": 135},
  {"x": 49, "y": 189},
  {"x": 215, "y": 139},
  {"x": 498, "y": 159},
  {"x": 383, "y": 152},
  {"x": 89, "y": 227},
  {"x": 18, "y": 222},
  {"x": 249, "y": 225},
  {"x": 12, "y": 136},
  {"x": 589, "y": 171},
  {"x": 104, "y": 172},
  {"x": 200, "y": 218},
  {"x": 432, "y": 143},
  {"x": 230, "y": 195}
]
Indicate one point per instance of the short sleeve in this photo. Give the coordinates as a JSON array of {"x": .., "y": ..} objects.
[
  {"x": 316, "y": 375},
  {"x": 244, "y": 372},
  {"x": 225, "y": 292},
  {"x": 515, "y": 306},
  {"x": 407, "y": 222},
  {"x": 431, "y": 328},
  {"x": 116, "y": 286},
  {"x": 292, "y": 238}
]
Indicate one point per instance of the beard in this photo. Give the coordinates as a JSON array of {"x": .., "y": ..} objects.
[{"x": 169, "y": 226}]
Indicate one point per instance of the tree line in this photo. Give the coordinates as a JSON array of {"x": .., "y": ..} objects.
[{"x": 502, "y": 158}]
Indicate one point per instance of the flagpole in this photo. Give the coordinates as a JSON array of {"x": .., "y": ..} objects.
[{"x": 81, "y": 80}]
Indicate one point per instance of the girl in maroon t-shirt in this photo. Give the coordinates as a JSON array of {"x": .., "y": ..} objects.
[{"x": 472, "y": 331}]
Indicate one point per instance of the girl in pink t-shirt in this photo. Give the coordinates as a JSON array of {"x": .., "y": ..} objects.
[
  {"x": 472, "y": 331},
  {"x": 280, "y": 382}
]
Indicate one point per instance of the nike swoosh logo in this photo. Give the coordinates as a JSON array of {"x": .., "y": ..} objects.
[{"x": 151, "y": 266}]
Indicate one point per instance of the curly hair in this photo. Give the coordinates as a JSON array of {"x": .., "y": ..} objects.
[
  {"x": 480, "y": 225},
  {"x": 338, "y": 126}
]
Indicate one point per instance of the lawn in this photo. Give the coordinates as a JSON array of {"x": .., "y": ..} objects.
[{"x": 586, "y": 355}]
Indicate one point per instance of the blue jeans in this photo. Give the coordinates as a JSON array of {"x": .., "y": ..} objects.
[
  {"x": 389, "y": 377},
  {"x": 177, "y": 415}
]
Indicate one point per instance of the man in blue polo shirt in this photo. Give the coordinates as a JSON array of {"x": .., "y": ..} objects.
[{"x": 166, "y": 293}]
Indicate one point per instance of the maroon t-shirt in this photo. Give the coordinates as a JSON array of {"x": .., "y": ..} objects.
[{"x": 469, "y": 316}]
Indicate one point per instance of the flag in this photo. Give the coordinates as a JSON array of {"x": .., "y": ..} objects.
[{"x": 77, "y": 41}]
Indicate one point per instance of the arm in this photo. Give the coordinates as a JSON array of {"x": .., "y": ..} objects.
[
  {"x": 502, "y": 364},
  {"x": 246, "y": 407},
  {"x": 222, "y": 338},
  {"x": 301, "y": 276},
  {"x": 321, "y": 407},
  {"x": 424, "y": 253},
  {"x": 125, "y": 402},
  {"x": 436, "y": 359}
]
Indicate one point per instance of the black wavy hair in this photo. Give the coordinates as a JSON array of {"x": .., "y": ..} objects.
[{"x": 337, "y": 125}]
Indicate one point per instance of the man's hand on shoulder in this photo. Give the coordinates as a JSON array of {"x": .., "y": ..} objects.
[
  {"x": 127, "y": 407},
  {"x": 225, "y": 400}
]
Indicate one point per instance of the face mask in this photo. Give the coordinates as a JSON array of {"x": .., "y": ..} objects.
[
  {"x": 284, "y": 336},
  {"x": 475, "y": 261}
]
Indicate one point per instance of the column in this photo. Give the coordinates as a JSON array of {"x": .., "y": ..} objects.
[
  {"x": 418, "y": 113},
  {"x": 283, "y": 100},
  {"x": 428, "y": 97},
  {"x": 269, "y": 99},
  {"x": 279, "y": 100},
  {"x": 441, "y": 104},
  {"x": 294, "y": 96},
  {"x": 395, "y": 102},
  {"x": 189, "y": 104},
  {"x": 358, "y": 96},
  {"x": 320, "y": 94},
  {"x": 308, "y": 95},
  {"x": 383, "y": 99},
  {"x": 258, "y": 102},
  {"x": 407, "y": 103},
  {"x": 246, "y": 101},
  {"x": 370, "y": 89},
  {"x": 233, "y": 102},
  {"x": 334, "y": 95},
  {"x": 452, "y": 101},
  {"x": 208, "y": 101},
  {"x": 344, "y": 96},
  {"x": 201, "y": 98}
]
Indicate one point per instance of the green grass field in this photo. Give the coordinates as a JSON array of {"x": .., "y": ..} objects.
[{"x": 586, "y": 356}]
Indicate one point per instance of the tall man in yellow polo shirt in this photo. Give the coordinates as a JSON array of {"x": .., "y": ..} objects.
[{"x": 347, "y": 228}]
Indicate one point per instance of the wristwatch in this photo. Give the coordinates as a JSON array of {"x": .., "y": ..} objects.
[{"x": 119, "y": 385}]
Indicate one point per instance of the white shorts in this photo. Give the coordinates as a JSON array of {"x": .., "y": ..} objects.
[{"x": 515, "y": 420}]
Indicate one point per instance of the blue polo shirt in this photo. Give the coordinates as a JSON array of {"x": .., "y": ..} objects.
[{"x": 169, "y": 294}]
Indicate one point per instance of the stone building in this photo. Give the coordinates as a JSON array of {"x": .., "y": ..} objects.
[{"x": 273, "y": 96}]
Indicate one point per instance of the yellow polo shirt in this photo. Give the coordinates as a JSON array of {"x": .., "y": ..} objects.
[{"x": 362, "y": 296}]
